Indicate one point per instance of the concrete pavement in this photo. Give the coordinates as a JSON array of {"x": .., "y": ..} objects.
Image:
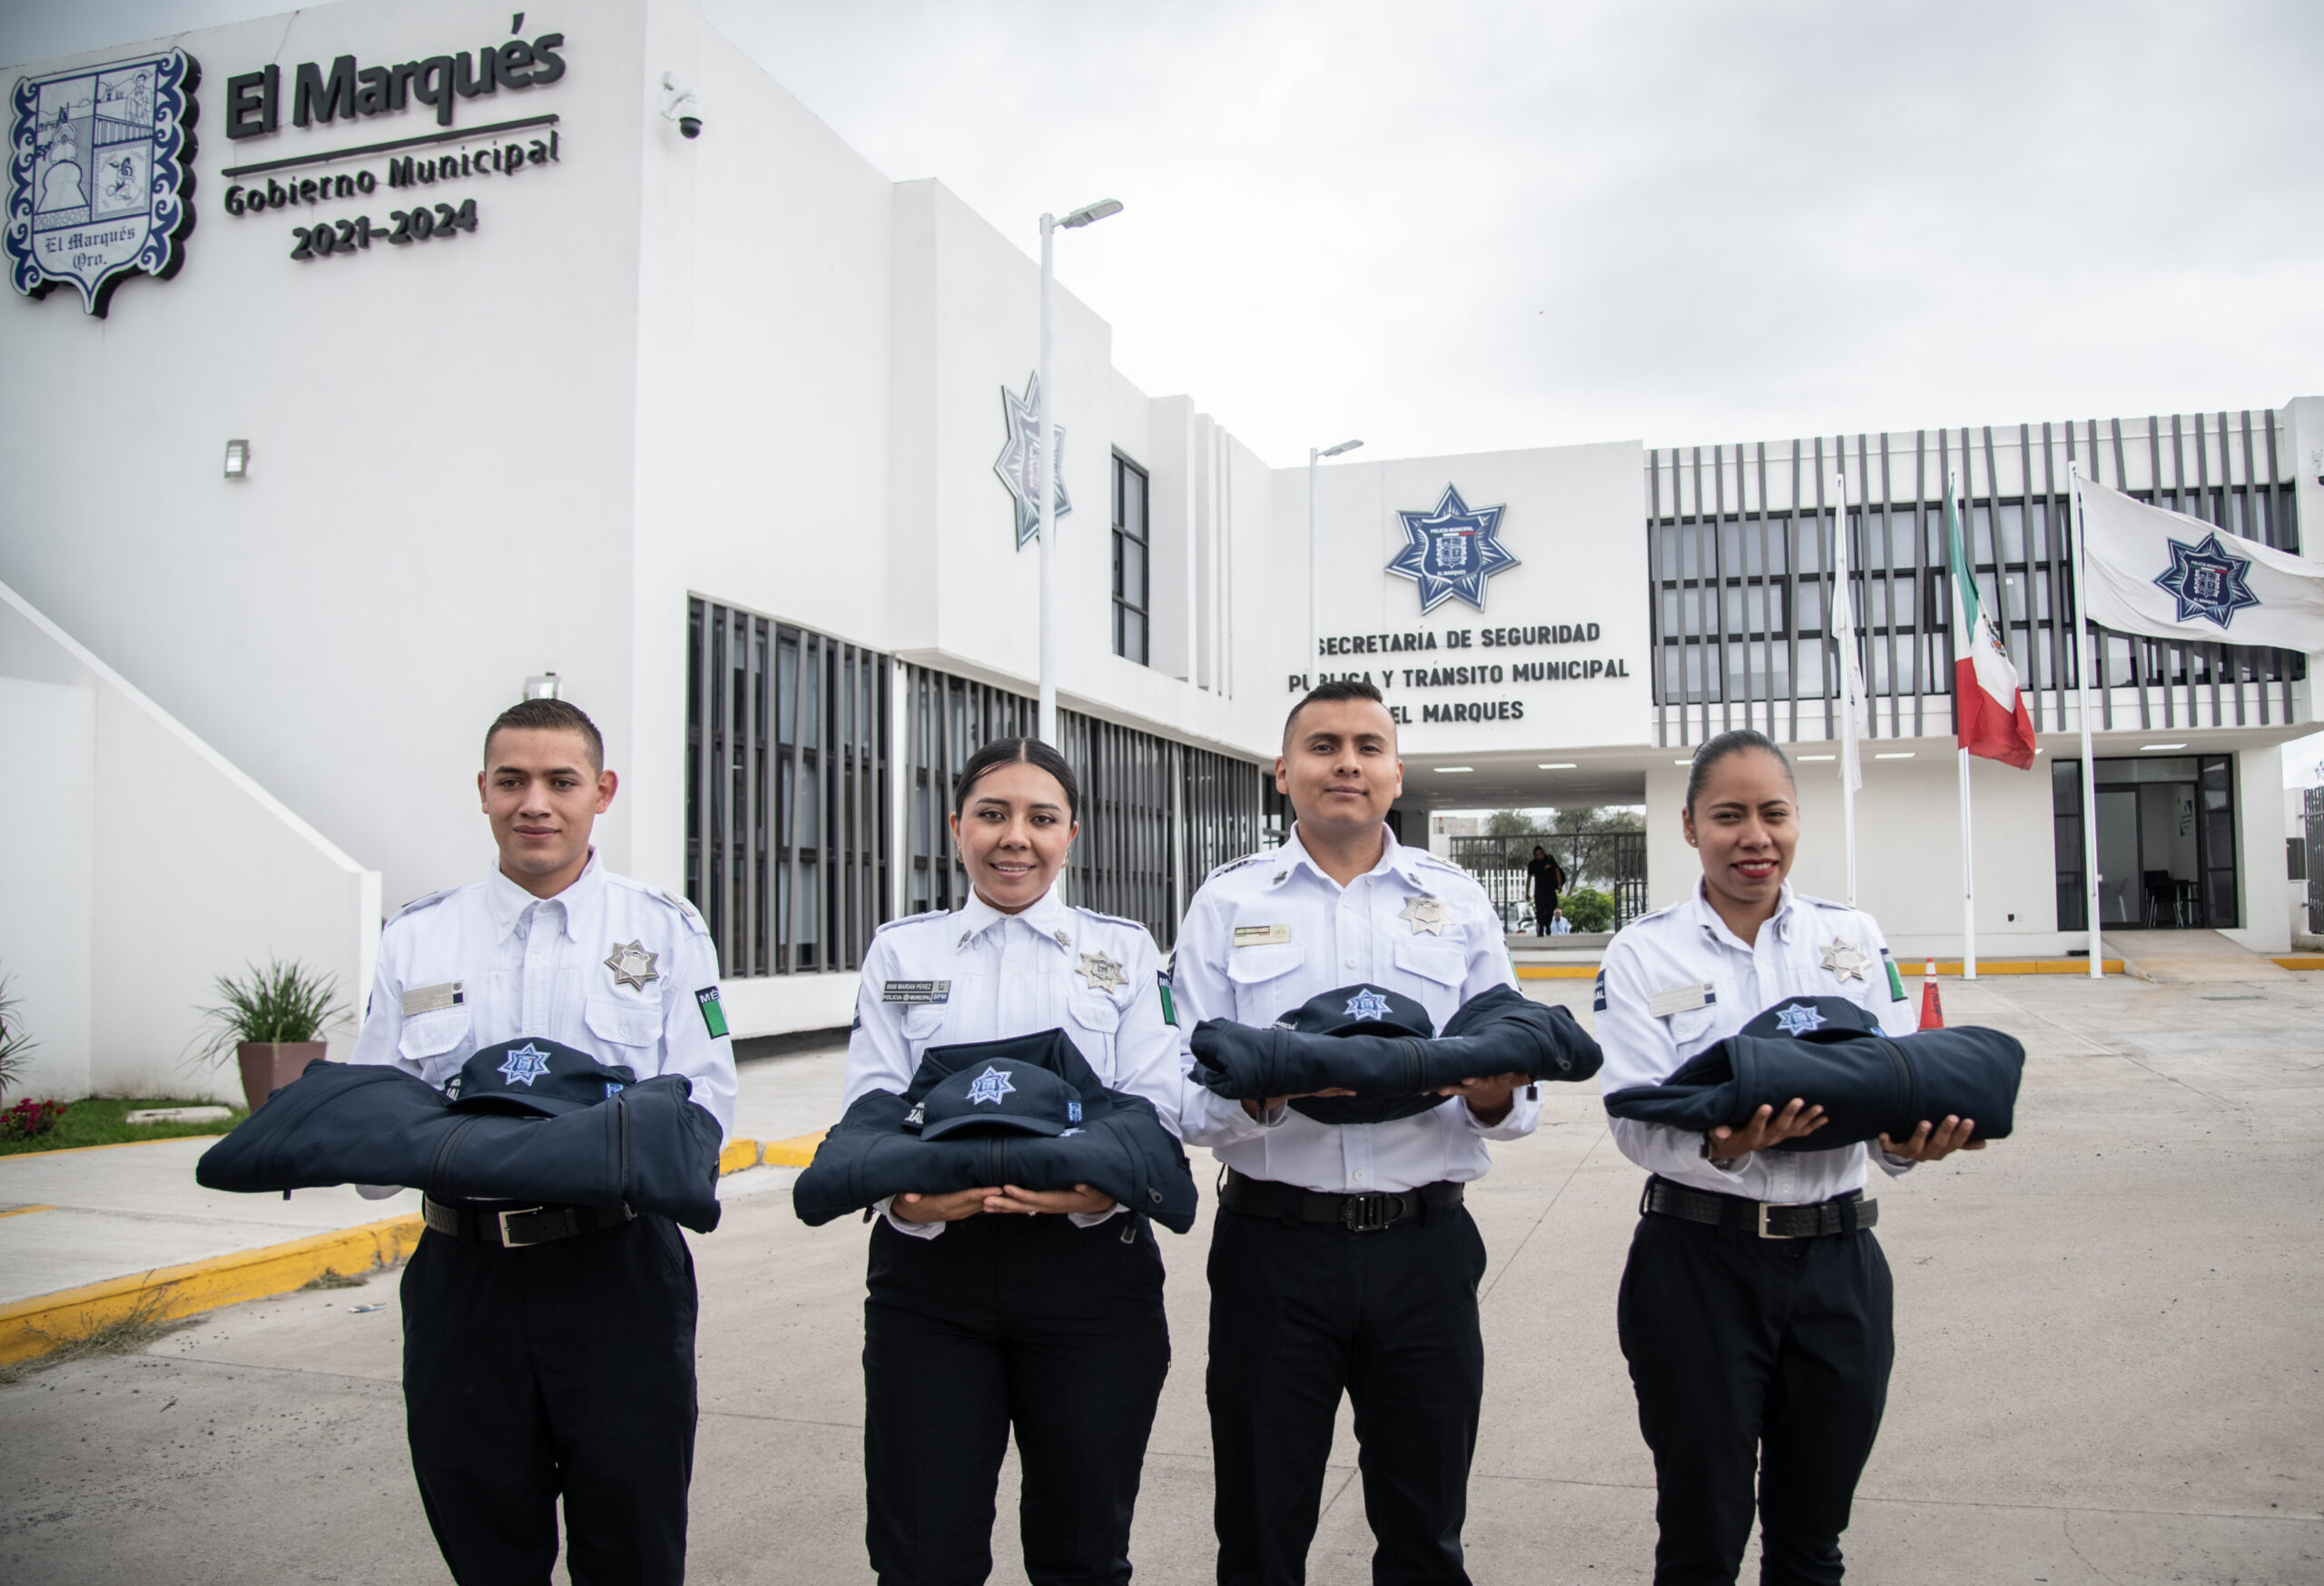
[{"x": 2109, "y": 1364}]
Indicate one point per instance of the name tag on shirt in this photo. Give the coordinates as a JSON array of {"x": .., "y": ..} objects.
[
  {"x": 431, "y": 999},
  {"x": 1681, "y": 999},
  {"x": 915, "y": 991},
  {"x": 1261, "y": 935}
]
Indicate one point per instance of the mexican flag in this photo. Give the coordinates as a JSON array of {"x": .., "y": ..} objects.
[{"x": 1988, "y": 716}]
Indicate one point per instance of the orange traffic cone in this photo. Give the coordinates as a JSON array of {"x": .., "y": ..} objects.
[{"x": 1932, "y": 1005}]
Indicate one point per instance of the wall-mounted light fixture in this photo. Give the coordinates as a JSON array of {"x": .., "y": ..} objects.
[
  {"x": 541, "y": 685},
  {"x": 238, "y": 460}
]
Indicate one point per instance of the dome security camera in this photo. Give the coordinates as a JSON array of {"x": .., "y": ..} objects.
[{"x": 682, "y": 105}]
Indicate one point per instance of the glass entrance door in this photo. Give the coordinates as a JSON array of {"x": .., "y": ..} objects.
[{"x": 2166, "y": 842}]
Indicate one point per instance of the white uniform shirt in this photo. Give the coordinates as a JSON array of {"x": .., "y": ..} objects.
[
  {"x": 1267, "y": 933},
  {"x": 977, "y": 974},
  {"x": 1669, "y": 952},
  {"x": 475, "y": 965}
]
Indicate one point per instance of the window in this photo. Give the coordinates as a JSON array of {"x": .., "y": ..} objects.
[
  {"x": 1131, "y": 582},
  {"x": 786, "y": 793}
]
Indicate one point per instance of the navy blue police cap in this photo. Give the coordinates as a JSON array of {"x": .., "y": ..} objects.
[
  {"x": 1360, "y": 1010},
  {"x": 1000, "y": 1094},
  {"x": 1812, "y": 1019},
  {"x": 531, "y": 1074}
]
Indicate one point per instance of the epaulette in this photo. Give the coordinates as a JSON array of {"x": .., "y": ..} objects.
[
  {"x": 1110, "y": 919},
  {"x": 685, "y": 907},
  {"x": 1233, "y": 864},
  {"x": 1653, "y": 914},
  {"x": 1824, "y": 903},
  {"x": 1438, "y": 860},
  {"x": 417, "y": 904},
  {"x": 686, "y": 911},
  {"x": 907, "y": 920}
]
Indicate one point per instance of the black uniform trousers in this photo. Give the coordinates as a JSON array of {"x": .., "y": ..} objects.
[
  {"x": 558, "y": 1369},
  {"x": 1007, "y": 1320},
  {"x": 1755, "y": 1356},
  {"x": 1300, "y": 1313}
]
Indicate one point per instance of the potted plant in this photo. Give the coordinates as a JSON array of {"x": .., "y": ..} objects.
[
  {"x": 16, "y": 1046},
  {"x": 273, "y": 1018}
]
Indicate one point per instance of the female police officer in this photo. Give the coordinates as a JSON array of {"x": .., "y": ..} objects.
[
  {"x": 1001, "y": 1306},
  {"x": 1755, "y": 1309}
]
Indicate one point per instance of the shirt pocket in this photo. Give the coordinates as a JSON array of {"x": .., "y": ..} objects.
[
  {"x": 1432, "y": 959},
  {"x": 626, "y": 1025},
  {"x": 1093, "y": 1023},
  {"x": 1688, "y": 1027},
  {"x": 1262, "y": 979},
  {"x": 924, "y": 1023},
  {"x": 435, "y": 1041}
]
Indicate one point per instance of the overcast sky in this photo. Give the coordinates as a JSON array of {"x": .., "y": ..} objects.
[{"x": 1449, "y": 227}]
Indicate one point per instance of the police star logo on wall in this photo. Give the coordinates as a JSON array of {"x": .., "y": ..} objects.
[
  {"x": 2207, "y": 581},
  {"x": 1019, "y": 462},
  {"x": 100, "y": 163},
  {"x": 1451, "y": 551}
]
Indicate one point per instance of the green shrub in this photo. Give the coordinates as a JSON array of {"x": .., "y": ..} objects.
[
  {"x": 282, "y": 1002},
  {"x": 1588, "y": 910}
]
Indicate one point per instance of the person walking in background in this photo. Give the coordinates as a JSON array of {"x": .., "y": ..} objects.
[{"x": 1546, "y": 876}]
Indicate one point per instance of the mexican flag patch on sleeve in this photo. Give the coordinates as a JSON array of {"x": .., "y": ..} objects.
[
  {"x": 1170, "y": 1003},
  {"x": 1895, "y": 980},
  {"x": 713, "y": 1016}
]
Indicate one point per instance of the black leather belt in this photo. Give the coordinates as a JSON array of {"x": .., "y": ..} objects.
[
  {"x": 1367, "y": 1213},
  {"x": 1843, "y": 1213},
  {"x": 513, "y": 1228}
]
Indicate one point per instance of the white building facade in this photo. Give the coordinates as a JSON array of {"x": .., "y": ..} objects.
[{"x": 716, "y": 429}]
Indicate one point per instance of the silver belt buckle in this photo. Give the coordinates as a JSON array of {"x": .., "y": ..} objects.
[
  {"x": 1368, "y": 1213},
  {"x": 509, "y": 1242},
  {"x": 1781, "y": 1205}
]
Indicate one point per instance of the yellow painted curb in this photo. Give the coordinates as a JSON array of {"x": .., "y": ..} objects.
[
  {"x": 2301, "y": 960},
  {"x": 795, "y": 1152},
  {"x": 738, "y": 1155},
  {"x": 2016, "y": 966},
  {"x": 34, "y": 1326},
  {"x": 18, "y": 1211},
  {"x": 1557, "y": 971}
]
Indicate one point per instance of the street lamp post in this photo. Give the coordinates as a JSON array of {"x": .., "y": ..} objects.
[
  {"x": 1315, "y": 562},
  {"x": 1047, "y": 727}
]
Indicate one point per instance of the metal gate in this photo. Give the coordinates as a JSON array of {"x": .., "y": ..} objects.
[{"x": 1610, "y": 862}]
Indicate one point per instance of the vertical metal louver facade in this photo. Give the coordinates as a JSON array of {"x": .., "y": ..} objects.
[
  {"x": 786, "y": 792},
  {"x": 1739, "y": 550}
]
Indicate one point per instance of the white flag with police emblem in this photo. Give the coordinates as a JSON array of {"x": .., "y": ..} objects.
[{"x": 2165, "y": 574}]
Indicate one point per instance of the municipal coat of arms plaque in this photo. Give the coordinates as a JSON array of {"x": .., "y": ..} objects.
[{"x": 100, "y": 175}]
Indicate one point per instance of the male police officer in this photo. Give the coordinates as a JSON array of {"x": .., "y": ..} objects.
[
  {"x": 1342, "y": 1258},
  {"x": 550, "y": 1349}
]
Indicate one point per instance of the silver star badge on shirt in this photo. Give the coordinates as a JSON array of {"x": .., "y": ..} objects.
[
  {"x": 631, "y": 965},
  {"x": 1101, "y": 973},
  {"x": 1846, "y": 960},
  {"x": 1427, "y": 914}
]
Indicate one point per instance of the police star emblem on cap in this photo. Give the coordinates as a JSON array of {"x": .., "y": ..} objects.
[
  {"x": 1798, "y": 1018},
  {"x": 1845, "y": 959},
  {"x": 1100, "y": 972},
  {"x": 1367, "y": 1004},
  {"x": 990, "y": 1086},
  {"x": 1427, "y": 914},
  {"x": 525, "y": 1064},
  {"x": 631, "y": 965}
]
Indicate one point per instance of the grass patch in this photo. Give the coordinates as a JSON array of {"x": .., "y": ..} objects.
[
  {"x": 98, "y": 1122},
  {"x": 126, "y": 1334}
]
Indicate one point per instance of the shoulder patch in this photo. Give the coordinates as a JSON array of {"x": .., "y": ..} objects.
[
  {"x": 429, "y": 901},
  {"x": 1233, "y": 864},
  {"x": 908, "y": 919}
]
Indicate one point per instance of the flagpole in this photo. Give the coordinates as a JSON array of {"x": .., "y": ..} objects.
[
  {"x": 2089, "y": 766},
  {"x": 1960, "y": 640},
  {"x": 1849, "y": 750}
]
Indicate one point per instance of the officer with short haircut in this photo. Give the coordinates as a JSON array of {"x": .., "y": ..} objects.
[
  {"x": 548, "y": 1350},
  {"x": 1342, "y": 1259}
]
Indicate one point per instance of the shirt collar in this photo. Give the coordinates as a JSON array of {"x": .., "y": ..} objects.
[
  {"x": 1782, "y": 920},
  {"x": 1393, "y": 856},
  {"x": 509, "y": 902},
  {"x": 1049, "y": 918}
]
